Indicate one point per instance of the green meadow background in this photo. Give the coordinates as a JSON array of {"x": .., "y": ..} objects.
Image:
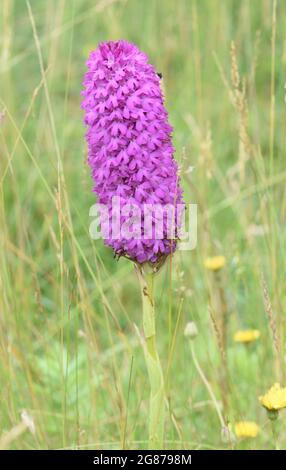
[{"x": 72, "y": 370}]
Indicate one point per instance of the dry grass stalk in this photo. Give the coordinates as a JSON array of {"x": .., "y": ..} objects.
[
  {"x": 217, "y": 333},
  {"x": 220, "y": 332},
  {"x": 270, "y": 315},
  {"x": 239, "y": 101}
]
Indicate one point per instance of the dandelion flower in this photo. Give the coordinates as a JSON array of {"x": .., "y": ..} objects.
[
  {"x": 246, "y": 336},
  {"x": 246, "y": 429},
  {"x": 215, "y": 263},
  {"x": 275, "y": 398}
]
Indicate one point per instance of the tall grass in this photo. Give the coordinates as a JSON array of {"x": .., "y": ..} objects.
[{"x": 70, "y": 356}]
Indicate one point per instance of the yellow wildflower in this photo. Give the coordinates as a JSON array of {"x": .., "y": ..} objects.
[
  {"x": 246, "y": 429},
  {"x": 275, "y": 398},
  {"x": 215, "y": 263},
  {"x": 246, "y": 336}
]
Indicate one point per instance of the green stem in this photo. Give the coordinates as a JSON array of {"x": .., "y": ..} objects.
[
  {"x": 275, "y": 434},
  {"x": 157, "y": 395}
]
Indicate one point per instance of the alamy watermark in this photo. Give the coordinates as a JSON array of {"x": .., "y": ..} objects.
[{"x": 121, "y": 220}]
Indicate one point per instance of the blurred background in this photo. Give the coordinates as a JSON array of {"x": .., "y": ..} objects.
[{"x": 72, "y": 369}]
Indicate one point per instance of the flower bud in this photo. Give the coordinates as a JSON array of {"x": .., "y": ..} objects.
[{"x": 191, "y": 330}]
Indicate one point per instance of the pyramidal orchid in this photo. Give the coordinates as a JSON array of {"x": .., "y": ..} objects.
[{"x": 130, "y": 154}]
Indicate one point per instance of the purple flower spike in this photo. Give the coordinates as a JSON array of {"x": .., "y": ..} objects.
[{"x": 130, "y": 151}]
